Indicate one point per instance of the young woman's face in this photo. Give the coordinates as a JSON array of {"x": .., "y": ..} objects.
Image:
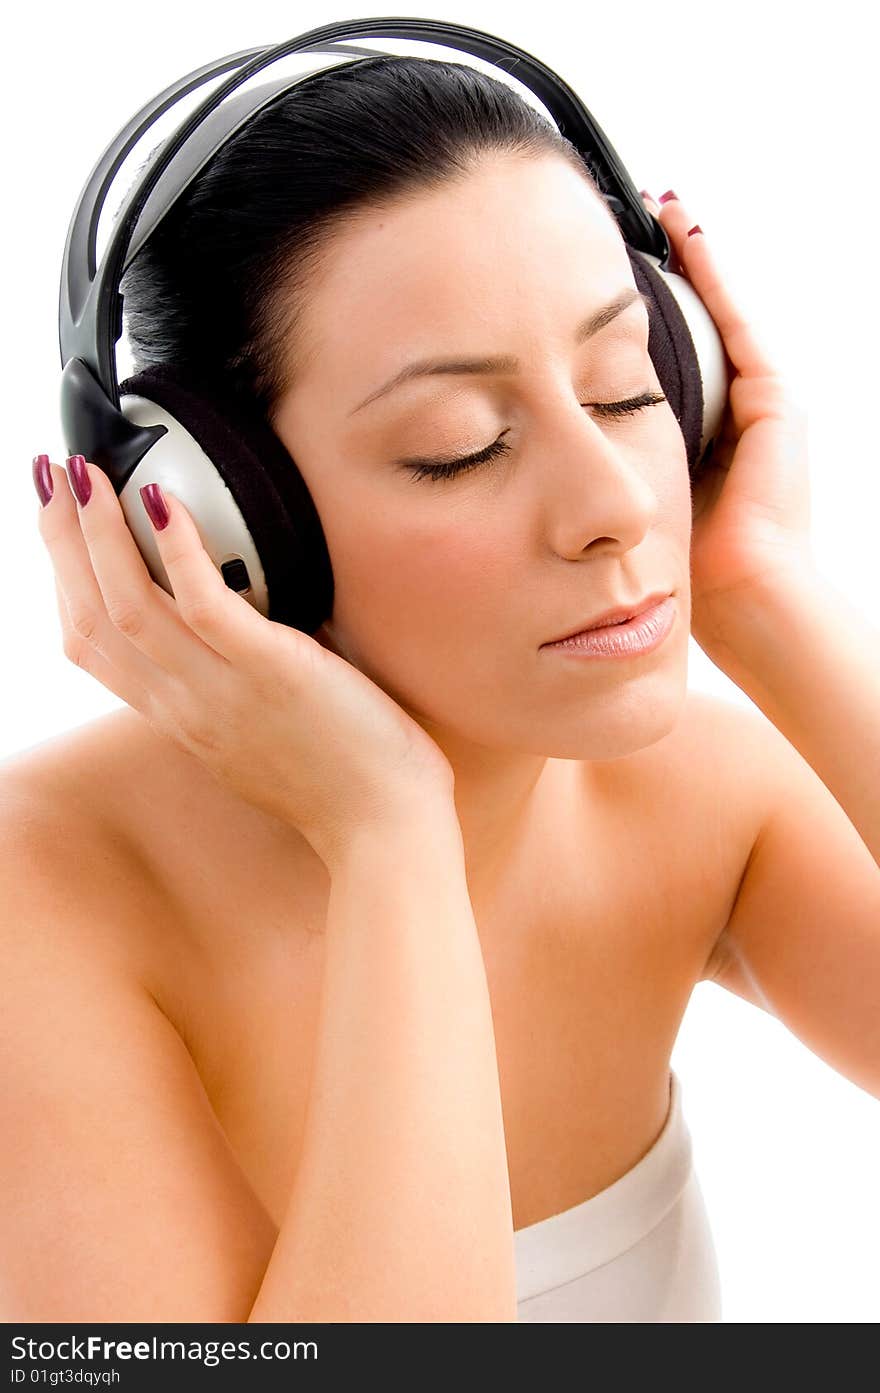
[{"x": 446, "y": 588}]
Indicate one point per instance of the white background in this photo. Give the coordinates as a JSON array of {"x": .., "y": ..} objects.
[{"x": 763, "y": 118}]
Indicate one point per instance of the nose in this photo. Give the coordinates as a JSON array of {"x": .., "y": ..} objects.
[{"x": 596, "y": 482}]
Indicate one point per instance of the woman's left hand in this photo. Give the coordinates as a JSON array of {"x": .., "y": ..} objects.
[{"x": 751, "y": 505}]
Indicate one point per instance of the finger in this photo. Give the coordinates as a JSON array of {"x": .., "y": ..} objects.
[
  {"x": 83, "y": 612},
  {"x": 226, "y": 622},
  {"x": 129, "y": 598},
  {"x": 86, "y": 656},
  {"x": 742, "y": 343}
]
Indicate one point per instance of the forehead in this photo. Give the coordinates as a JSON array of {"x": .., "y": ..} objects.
[{"x": 515, "y": 242}]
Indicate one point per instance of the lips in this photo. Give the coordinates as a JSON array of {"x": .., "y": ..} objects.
[{"x": 615, "y": 616}]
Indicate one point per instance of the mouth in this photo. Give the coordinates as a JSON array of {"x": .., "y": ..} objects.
[{"x": 615, "y": 617}]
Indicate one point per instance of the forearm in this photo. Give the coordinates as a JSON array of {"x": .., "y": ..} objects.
[
  {"x": 401, "y": 1206},
  {"x": 811, "y": 662}
]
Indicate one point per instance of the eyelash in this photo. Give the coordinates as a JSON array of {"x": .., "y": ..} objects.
[{"x": 447, "y": 469}]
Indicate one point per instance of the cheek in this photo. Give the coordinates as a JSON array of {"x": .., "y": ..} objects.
[
  {"x": 414, "y": 590},
  {"x": 673, "y": 489}
]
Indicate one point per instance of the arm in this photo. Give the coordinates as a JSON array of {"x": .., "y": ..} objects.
[
  {"x": 811, "y": 662},
  {"x": 803, "y": 938},
  {"x": 401, "y": 1206},
  {"x": 121, "y": 1199}
]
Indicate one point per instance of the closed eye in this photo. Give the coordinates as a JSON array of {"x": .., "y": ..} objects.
[{"x": 446, "y": 469}]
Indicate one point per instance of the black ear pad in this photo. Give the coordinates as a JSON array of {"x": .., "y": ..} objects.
[
  {"x": 266, "y": 485},
  {"x": 673, "y": 354}
]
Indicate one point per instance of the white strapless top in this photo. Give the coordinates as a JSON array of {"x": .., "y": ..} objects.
[{"x": 639, "y": 1250}]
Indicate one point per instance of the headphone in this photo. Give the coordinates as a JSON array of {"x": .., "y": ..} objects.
[{"x": 244, "y": 492}]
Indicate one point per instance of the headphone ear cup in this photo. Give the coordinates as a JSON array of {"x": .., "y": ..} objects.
[
  {"x": 250, "y": 504},
  {"x": 688, "y": 354}
]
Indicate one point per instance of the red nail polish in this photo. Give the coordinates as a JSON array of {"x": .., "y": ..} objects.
[
  {"x": 665, "y": 197},
  {"x": 696, "y": 228},
  {"x": 42, "y": 478},
  {"x": 79, "y": 479},
  {"x": 155, "y": 505},
  {"x": 643, "y": 193}
]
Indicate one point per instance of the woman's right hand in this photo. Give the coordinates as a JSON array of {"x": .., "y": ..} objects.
[{"x": 289, "y": 725}]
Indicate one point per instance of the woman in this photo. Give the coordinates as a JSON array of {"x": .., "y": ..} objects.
[{"x": 344, "y": 971}]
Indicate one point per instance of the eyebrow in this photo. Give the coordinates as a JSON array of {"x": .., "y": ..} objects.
[{"x": 423, "y": 367}]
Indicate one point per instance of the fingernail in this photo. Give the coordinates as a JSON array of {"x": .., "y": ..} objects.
[
  {"x": 157, "y": 508},
  {"x": 643, "y": 193},
  {"x": 696, "y": 228},
  {"x": 665, "y": 197},
  {"x": 42, "y": 478},
  {"x": 79, "y": 478}
]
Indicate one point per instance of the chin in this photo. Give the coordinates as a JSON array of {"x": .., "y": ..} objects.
[{"x": 618, "y": 720}]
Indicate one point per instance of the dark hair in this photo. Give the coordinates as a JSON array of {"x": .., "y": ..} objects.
[{"x": 218, "y": 287}]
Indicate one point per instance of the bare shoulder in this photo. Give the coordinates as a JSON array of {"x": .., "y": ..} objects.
[
  {"x": 68, "y": 814},
  {"x": 85, "y": 788},
  {"x": 128, "y": 824},
  {"x": 721, "y": 746},
  {"x": 710, "y": 759},
  {"x": 107, "y": 771},
  {"x": 732, "y": 740},
  {"x": 697, "y": 798},
  {"x": 712, "y": 716},
  {"x": 719, "y": 754}
]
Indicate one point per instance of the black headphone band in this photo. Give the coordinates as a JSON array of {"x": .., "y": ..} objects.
[{"x": 90, "y": 306}]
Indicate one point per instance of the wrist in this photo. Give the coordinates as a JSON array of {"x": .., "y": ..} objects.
[
  {"x": 412, "y": 829},
  {"x": 739, "y": 629}
]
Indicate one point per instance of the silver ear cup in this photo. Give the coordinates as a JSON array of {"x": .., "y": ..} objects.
[{"x": 178, "y": 463}]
